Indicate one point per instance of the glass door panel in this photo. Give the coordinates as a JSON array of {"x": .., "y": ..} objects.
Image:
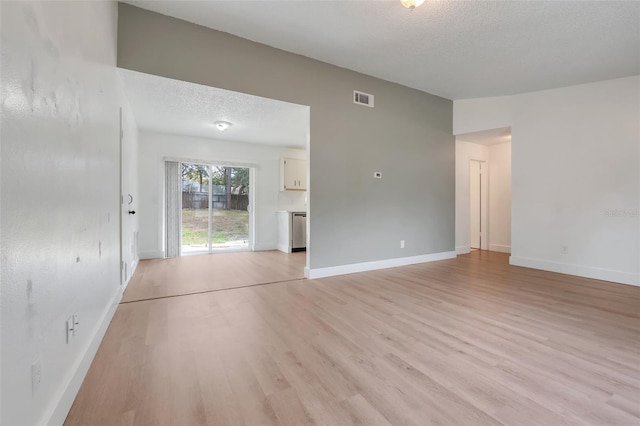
[
  {"x": 230, "y": 226},
  {"x": 195, "y": 208},
  {"x": 215, "y": 215}
]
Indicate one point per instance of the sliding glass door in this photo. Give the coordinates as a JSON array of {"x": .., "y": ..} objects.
[
  {"x": 215, "y": 201},
  {"x": 230, "y": 215}
]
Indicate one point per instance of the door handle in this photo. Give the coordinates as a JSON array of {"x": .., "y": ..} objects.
[{"x": 132, "y": 212}]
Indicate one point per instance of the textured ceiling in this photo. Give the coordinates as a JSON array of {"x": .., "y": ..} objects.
[
  {"x": 455, "y": 49},
  {"x": 171, "y": 106}
]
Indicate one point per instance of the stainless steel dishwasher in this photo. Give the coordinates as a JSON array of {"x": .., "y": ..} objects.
[{"x": 298, "y": 232}]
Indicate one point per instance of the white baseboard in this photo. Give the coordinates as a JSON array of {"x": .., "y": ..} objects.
[
  {"x": 463, "y": 249},
  {"x": 284, "y": 248},
  {"x": 61, "y": 409},
  {"x": 159, "y": 254},
  {"x": 306, "y": 272},
  {"x": 133, "y": 271},
  {"x": 578, "y": 270},
  {"x": 500, "y": 248},
  {"x": 264, "y": 247},
  {"x": 378, "y": 264}
]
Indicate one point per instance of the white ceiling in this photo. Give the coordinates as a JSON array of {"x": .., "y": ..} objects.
[
  {"x": 178, "y": 107},
  {"x": 487, "y": 137},
  {"x": 455, "y": 49}
]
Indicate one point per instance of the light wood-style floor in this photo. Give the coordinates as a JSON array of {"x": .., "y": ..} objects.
[
  {"x": 469, "y": 341},
  {"x": 201, "y": 273}
]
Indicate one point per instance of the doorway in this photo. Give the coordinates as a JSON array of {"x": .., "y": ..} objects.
[
  {"x": 478, "y": 191},
  {"x": 483, "y": 191},
  {"x": 215, "y": 208},
  {"x": 176, "y": 129}
]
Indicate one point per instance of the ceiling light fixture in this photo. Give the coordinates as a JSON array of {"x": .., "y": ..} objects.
[
  {"x": 222, "y": 125},
  {"x": 411, "y": 4}
]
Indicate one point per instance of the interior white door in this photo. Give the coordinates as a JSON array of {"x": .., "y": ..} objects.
[
  {"x": 128, "y": 221},
  {"x": 475, "y": 211},
  {"x": 479, "y": 204}
]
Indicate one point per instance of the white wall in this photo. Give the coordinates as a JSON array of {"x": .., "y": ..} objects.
[
  {"x": 500, "y": 197},
  {"x": 59, "y": 200},
  {"x": 575, "y": 175},
  {"x": 155, "y": 147},
  {"x": 474, "y": 115}
]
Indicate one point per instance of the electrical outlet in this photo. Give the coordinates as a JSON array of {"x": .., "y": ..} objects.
[
  {"x": 36, "y": 375},
  {"x": 564, "y": 250},
  {"x": 401, "y": 243}
]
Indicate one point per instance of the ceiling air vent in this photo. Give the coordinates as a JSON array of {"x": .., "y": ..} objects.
[{"x": 361, "y": 98}]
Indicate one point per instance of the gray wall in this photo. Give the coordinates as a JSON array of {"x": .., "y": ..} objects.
[{"x": 407, "y": 136}]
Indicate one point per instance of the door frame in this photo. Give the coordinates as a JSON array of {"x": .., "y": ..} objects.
[{"x": 121, "y": 200}]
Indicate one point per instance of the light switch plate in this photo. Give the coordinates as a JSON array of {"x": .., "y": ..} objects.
[{"x": 70, "y": 328}]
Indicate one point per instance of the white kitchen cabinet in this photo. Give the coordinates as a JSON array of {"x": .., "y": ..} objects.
[{"x": 293, "y": 174}]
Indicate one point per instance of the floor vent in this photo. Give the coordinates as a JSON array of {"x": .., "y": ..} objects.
[{"x": 362, "y": 98}]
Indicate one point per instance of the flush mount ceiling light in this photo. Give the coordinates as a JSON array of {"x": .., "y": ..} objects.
[
  {"x": 222, "y": 125},
  {"x": 411, "y": 4}
]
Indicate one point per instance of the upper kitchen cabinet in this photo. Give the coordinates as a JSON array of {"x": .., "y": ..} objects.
[{"x": 293, "y": 174}]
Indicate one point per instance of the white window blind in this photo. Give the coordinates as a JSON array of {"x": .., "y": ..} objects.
[{"x": 173, "y": 206}]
